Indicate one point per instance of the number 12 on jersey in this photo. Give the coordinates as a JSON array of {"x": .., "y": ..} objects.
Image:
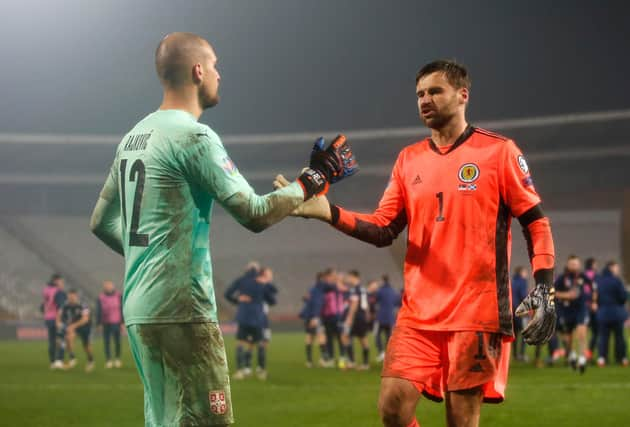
[{"x": 136, "y": 174}]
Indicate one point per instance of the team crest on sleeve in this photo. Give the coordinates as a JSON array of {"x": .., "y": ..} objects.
[
  {"x": 218, "y": 404},
  {"x": 522, "y": 164},
  {"x": 469, "y": 172},
  {"x": 229, "y": 167}
]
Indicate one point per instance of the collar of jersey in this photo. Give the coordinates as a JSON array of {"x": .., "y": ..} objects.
[
  {"x": 460, "y": 140},
  {"x": 175, "y": 111}
]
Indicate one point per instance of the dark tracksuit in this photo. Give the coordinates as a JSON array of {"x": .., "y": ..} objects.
[
  {"x": 271, "y": 299},
  {"x": 387, "y": 299},
  {"x": 571, "y": 313},
  {"x": 250, "y": 316},
  {"x": 611, "y": 314},
  {"x": 312, "y": 307}
]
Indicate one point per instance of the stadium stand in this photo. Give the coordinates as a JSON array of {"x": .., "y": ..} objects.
[{"x": 22, "y": 275}]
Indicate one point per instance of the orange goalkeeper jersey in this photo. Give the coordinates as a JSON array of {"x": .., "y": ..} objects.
[{"x": 457, "y": 204}]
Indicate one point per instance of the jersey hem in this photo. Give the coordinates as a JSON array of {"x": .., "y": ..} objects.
[
  {"x": 149, "y": 320},
  {"x": 457, "y": 328}
]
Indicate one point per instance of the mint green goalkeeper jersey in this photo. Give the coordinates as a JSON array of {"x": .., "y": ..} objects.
[{"x": 167, "y": 173}]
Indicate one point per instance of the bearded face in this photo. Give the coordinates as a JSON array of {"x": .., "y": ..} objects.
[{"x": 438, "y": 100}]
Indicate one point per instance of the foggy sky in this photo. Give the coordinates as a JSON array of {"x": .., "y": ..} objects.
[{"x": 289, "y": 65}]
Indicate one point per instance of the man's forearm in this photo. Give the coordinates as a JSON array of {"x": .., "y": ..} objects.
[
  {"x": 569, "y": 296},
  {"x": 257, "y": 213},
  {"x": 78, "y": 323},
  {"x": 378, "y": 229},
  {"x": 105, "y": 224}
]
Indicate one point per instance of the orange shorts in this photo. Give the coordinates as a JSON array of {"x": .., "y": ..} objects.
[{"x": 439, "y": 361}]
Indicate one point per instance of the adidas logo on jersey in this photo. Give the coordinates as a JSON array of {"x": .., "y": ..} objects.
[{"x": 418, "y": 180}]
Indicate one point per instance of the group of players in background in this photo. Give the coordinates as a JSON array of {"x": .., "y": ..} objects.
[
  {"x": 586, "y": 298},
  {"x": 340, "y": 308},
  {"x": 67, "y": 318}
]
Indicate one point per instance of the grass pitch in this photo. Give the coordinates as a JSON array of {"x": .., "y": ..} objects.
[{"x": 294, "y": 396}]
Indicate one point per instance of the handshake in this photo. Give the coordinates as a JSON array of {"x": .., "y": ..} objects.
[{"x": 326, "y": 166}]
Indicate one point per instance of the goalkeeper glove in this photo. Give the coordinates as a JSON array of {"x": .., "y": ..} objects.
[
  {"x": 328, "y": 166},
  {"x": 542, "y": 325},
  {"x": 316, "y": 207}
]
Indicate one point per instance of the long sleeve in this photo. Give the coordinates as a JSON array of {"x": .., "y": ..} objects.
[
  {"x": 105, "y": 222},
  {"x": 122, "y": 316},
  {"x": 381, "y": 227},
  {"x": 270, "y": 294},
  {"x": 517, "y": 190},
  {"x": 207, "y": 164}
]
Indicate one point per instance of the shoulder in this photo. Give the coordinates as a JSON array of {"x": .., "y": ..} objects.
[
  {"x": 500, "y": 143},
  {"x": 416, "y": 148},
  {"x": 489, "y": 135},
  {"x": 202, "y": 133},
  {"x": 194, "y": 137},
  {"x": 412, "y": 152}
]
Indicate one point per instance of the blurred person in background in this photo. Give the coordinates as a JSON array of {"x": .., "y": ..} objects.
[
  {"x": 331, "y": 316},
  {"x": 591, "y": 296},
  {"x": 54, "y": 298},
  {"x": 572, "y": 313},
  {"x": 270, "y": 298},
  {"x": 310, "y": 313},
  {"x": 520, "y": 289},
  {"x": 74, "y": 320},
  {"x": 612, "y": 313},
  {"x": 109, "y": 319},
  {"x": 387, "y": 300},
  {"x": 249, "y": 294},
  {"x": 355, "y": 321}
]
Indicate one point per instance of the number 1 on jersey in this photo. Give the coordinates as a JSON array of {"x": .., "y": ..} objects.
[
  {"x": 440, "y": 197},
  {"x": 135, "y": 175}
]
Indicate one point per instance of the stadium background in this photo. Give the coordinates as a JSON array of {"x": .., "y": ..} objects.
[{"x": 77, "y": 75}]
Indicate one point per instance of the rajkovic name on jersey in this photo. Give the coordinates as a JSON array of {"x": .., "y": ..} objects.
[{"x": 137, "y": 142}]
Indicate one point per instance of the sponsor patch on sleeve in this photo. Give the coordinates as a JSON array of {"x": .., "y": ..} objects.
[{"x": 522, "y": 164}]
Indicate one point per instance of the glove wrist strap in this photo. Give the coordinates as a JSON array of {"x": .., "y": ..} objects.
[
  {"x": 313, "y": 182},
  {"x": 544, "y": 276}
]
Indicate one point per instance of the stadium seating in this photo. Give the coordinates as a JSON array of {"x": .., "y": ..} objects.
[{"x": 295, "y": 249}]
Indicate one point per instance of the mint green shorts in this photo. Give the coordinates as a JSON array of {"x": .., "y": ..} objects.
[{"x": 184, "y": 371}]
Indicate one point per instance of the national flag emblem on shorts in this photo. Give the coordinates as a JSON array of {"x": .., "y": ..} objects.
[{"x": 218, "y": 405}]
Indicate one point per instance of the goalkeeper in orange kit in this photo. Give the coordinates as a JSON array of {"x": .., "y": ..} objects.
[{"x": 456, "y": 193}]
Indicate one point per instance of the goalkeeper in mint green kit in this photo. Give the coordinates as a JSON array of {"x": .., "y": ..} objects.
[{"x": 155, "y": 210}]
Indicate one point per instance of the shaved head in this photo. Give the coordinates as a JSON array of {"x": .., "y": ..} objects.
[
  {"x": 175, "y": 56},
  {"x": 183, "y": 60}
]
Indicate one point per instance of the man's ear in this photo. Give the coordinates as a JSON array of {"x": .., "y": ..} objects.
[
  {"x": 197, "y": 73},
  {"x": 463, "y": 95}
]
